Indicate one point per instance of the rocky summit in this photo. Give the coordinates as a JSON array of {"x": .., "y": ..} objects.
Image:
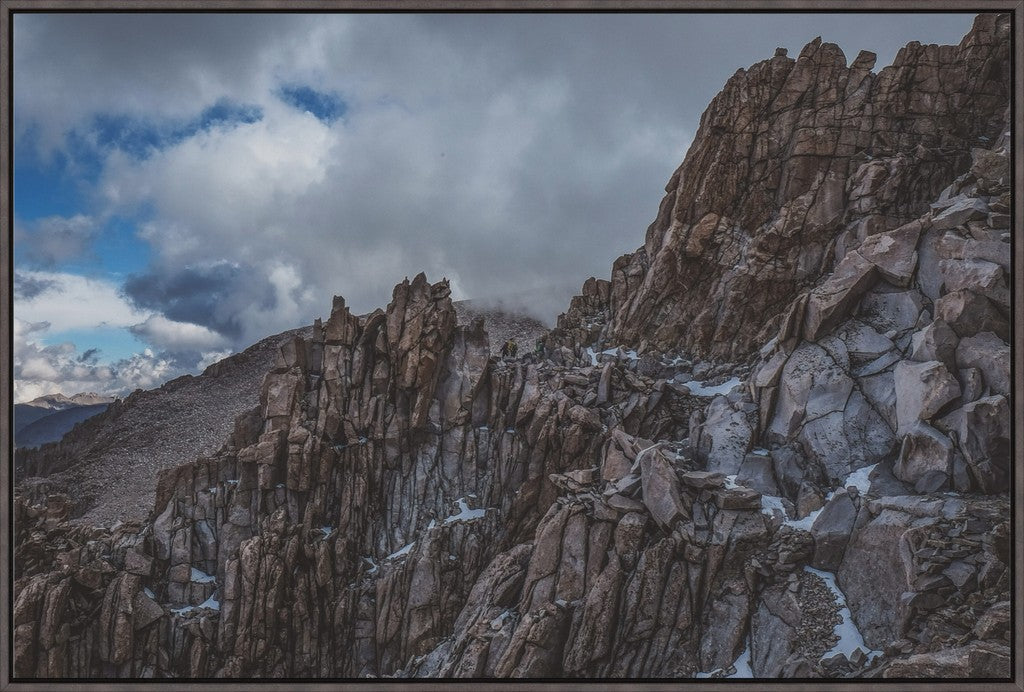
[{"x": 776, "y": 443}]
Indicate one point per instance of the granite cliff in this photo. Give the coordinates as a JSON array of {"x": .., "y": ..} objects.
[{"x": 775, "y": 443}]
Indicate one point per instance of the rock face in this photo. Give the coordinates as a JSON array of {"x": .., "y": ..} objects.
[
  {"x": 401, "y": 503},
  {"x": 796, "y": 162}
]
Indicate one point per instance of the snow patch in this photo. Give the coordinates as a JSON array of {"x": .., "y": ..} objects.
[
  {"x": 149, "y": 592},
  {"x": 465, "y": 513},
  {"x": 401, "y": 552},
  {"x": 211, "y": 603},
  {"x": 326, "y": 530},
  {"x": 771, "y": 504},
  {"x": 850, "y": 638},
  {"x": 698, "y": 389},
  {"x": 201, "y": 577},
  {"x": 858, "y": 479}
]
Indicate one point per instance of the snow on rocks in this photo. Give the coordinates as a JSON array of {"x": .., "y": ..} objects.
[
  {"x": 698, "y": 388},
  {"x": 850, "y": 638},
  {"x": 465, "y": 513},
  {"x": 401, "y": 552},
  {"x": 201, "y": 577}
]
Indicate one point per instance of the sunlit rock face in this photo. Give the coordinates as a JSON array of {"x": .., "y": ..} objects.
[{"x": 808, "y": 482}]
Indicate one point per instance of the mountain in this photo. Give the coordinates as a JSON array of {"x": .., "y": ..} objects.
[
  {"x": 48, "y": 418},
  {"x": 52, "y": 427},
  {"x": 775, "y": 445},
  {"x": 109, "y": 462},
  {"x": 31, "y": 411}
]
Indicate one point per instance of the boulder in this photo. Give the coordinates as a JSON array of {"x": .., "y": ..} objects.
[
  {"x": 975, "y": 660},
  {"x": 893, "y": 252},
  {"x": 982, "y": 430},
  {"x": 737, "y": 498},
  {"x": 989, "y": 354},
  {"x": 925, "y": 450},
  {"x": 661, "y": 488},
  {"x": 922, "y": 390},
  {"x": 831, "y": 531},
  {"x": 959, "y": 212},
  {"x": 699, "y": 480},
  {"x": 725, "y": 436},
  {"x": 862, "y": 341},
  {"x": 833, "y": 299},
  {"x": 889, "y": 310},
  {"x": 969, "y": 313},
  {"x": 937, "y": 341},
  {"x": 979, "y": 276},
  {"x": 756, "y": 472}
]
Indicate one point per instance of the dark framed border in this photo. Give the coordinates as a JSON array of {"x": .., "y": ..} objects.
[{"x": 10, "y": 7}]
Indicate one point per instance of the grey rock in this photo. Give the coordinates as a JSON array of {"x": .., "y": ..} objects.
[
  {"x": 990, "y": 355},
  {"x": 969, "y": 313},
  {"x": 661, "y": 488},
  {"x": 937, "y": 341},
  {"x": 925, "y": 450},
  {"x": 959, "y": 212},
  {"x": 831, "y": 531},
  {"x": 922, "y": 390}
]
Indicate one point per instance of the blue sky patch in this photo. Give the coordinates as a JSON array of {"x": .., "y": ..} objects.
[
  {"x": 45, "y": 188},
  {"x": 139, "y": 138},
  {"x": 326, "y": 107},
  {"x": 120, "y": 250},
  {"x": 111, "y": 343}
]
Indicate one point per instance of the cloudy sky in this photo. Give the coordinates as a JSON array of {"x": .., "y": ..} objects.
[{"x": 188, "y": 184}]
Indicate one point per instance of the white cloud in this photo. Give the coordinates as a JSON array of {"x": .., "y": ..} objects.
[
  {"x": 40, "y": 370},
  {"x": 169, "y": 335},
  {"x": 72, "y": 301}
]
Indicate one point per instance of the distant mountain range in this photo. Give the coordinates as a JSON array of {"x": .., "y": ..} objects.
[{"x": 48, "y": 418}]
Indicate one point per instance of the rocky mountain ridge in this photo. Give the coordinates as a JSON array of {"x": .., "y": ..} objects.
[
  {"x": 795, "y": 162},
  {"x": 814, "y": 489}
]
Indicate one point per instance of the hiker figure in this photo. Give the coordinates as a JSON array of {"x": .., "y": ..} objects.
[
  {"x": 513, "y": 349},
  {"x": 506, "y": 349},
  {"x": 538, "y": 349}
]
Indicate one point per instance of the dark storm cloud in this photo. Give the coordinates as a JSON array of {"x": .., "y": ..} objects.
[
  {"x": 211, "y": 296},
  {"x": 90, "y": 356},
  {"x": 27, "y": 287}
]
